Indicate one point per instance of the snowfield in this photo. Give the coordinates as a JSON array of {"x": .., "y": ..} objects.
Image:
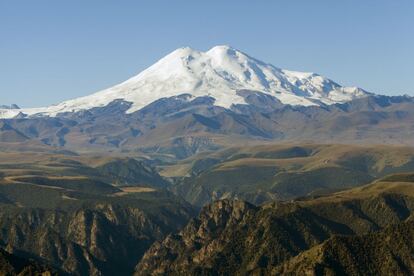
[{"x": 219, "y": 73}]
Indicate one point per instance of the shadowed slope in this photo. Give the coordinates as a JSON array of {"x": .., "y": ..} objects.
[
  {"x": 11, "y": 265},
  {"x": 233, "y": 237},
  {"x": 387, "y": 252}
]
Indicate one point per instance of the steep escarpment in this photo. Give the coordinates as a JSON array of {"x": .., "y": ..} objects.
[
  {"x": 234, "y": 237},
  {"x": 89, "y": 215},
  {"x": 12, "y": 265},
  {"x": 99, "y": 237},
  {"x": 201, "y": 239},
  {"x": 388, "y": 252}
]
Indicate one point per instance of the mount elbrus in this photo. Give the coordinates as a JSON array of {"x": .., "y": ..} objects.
[
  {"x": 111, "y": 184},
  {"x": 192, "y": 100},
  {"x": 218, "y": 73}
]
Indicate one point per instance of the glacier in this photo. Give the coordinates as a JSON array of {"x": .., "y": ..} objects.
[{"x": 219, "y": 73}]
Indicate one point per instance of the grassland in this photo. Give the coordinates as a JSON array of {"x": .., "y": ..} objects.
[{"x": 282, "y": 172}]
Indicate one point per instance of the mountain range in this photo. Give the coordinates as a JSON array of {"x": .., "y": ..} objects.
[
  {"x": 362, "y": 231},
  {"x": 210, "y": 163},
  {"x": 220, "y": 73},
  {"x": 192, "y": 101},
  {"x": 92, "y": 214}
]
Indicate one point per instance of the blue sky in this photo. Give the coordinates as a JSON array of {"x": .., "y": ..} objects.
[{"x": 56, "y": 50}]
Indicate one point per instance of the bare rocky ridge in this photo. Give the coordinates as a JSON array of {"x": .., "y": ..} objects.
[
  {"x": 192, "y": 101},
  {"x": 103, "y": 239},
  {"x": 11, "y": 265},
  {"x": 60, "y": 212},
  {"x": 388, "y": 252},
  {"x": 110, "y": 184},
  {"x": 179, "y": 127},
  {"x": 235, "y": 238}
]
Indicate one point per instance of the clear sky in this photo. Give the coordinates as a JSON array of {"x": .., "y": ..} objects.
[{"x": 56, "y": 50}]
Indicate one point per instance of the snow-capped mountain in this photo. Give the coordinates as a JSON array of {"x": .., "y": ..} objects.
[{"x": 219, "y": 73}]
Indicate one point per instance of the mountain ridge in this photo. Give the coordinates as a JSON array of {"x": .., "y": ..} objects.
[{"x": 232, "y": 237}]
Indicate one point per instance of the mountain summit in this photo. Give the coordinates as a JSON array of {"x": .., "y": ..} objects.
[{"x": 219, "y": 73}]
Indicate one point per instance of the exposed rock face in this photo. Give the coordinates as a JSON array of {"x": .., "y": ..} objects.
[
  {"x": 233, "y": 237},
  {"x": 181, "y": 126},
  {"x": 69, "y": 215},
  {"x": 201, "y": 239},
  {"x": 388, "y": 252},
  {"x": 11, "y": 265},
  {"x": 100, "y": 239},
  {"x": 10, "y": 135}
]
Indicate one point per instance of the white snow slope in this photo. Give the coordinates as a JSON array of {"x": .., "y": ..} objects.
[{"x": 219, "y": 73}]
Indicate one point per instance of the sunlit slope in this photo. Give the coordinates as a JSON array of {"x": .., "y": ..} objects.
[
  {"x": 279, "y": 172},
  {"x": 330, "y": 235}
]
